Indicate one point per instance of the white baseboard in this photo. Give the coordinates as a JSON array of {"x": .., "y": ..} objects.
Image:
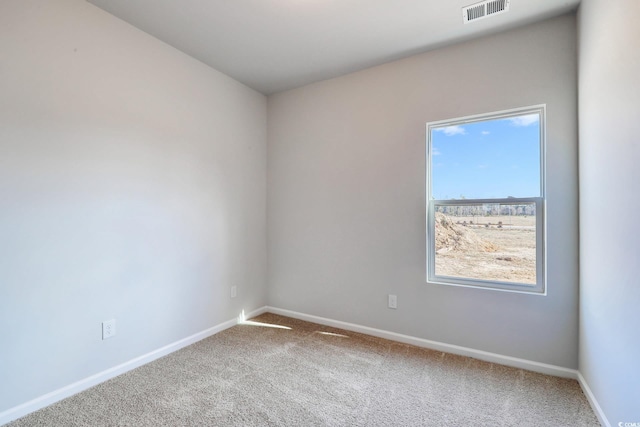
[
  {"x": 84, "y": 384},
  {"x": 515, "y": 362},
  {"x": 592, "y": 401}
]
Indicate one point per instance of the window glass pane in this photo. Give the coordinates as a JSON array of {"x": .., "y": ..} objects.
[
  {"x": 494, "y": 242},
  {"x": 490, "y": 159}
]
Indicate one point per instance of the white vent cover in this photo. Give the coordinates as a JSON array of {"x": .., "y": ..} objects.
[{"x": 484, "y": 9}]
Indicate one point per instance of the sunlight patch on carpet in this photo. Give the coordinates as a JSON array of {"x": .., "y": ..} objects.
[{"x": 332, "y": 334}]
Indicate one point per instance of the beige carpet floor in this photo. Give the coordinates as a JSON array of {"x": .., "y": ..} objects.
[{"x": 303, "y": 374}]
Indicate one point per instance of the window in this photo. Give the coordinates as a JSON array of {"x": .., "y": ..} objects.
[{"x": 485, "y": 201}]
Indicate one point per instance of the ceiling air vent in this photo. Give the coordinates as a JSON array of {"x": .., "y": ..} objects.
[{"x": 484, "y": 9}]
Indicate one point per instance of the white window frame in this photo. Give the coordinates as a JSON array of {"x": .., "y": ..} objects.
[{"x": 539, "y": 288}]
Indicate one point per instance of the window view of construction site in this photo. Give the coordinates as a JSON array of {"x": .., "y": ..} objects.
[
  {"x": 486, "y": 242},
  {"x": 485, "y": 187}
]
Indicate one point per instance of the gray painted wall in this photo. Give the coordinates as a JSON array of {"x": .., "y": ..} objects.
[
  {"x": 609, "y": 39},
  {"x": 132, "y": 186},
  {"x": 346, "y": 182}
]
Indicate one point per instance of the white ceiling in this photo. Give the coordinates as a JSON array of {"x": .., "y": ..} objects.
[{"x": 274, "y": 45}]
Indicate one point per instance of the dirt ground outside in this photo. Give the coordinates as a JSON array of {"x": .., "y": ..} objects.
[
  {"x": 507, "y": 220},
  {"x": 495, "y": 248}
]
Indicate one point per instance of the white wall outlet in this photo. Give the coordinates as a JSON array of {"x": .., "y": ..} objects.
[
  {"x": 234, "y": 292},
  {"x": 108, "y": 328},
  {"x": 393, "y": 301}
]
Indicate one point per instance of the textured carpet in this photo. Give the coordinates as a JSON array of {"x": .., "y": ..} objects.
[{"x": 303, "y": 374}]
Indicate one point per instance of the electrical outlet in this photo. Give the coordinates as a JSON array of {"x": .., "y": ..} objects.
[
  {"x": 108, "y": 328},
  {"x": 234, "y": 292},
  {"x": 393, "y": 301}
]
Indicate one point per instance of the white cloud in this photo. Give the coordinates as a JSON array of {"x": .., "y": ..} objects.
[
  {"x": 524, "y": 120},
  {"x": 483, "y": 166},
  {"x": 435, "y": 151},
  {"x": 485, "y": 132},
  {"x": 452, "y": 130}
]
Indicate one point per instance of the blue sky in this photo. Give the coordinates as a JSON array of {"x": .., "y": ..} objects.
[{"x": 490, "y": 159}]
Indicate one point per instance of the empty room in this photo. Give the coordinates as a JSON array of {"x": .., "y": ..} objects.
[{"x": 319, "y": 212}]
